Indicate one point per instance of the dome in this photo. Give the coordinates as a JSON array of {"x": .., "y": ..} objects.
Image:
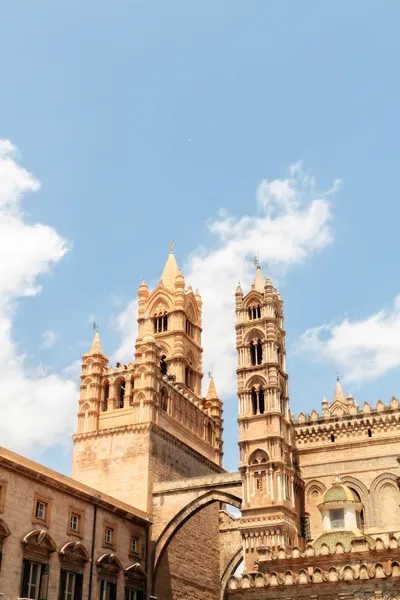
[
  {"x": 345, "y": 537},
  {"x": 339, "y": 493}
]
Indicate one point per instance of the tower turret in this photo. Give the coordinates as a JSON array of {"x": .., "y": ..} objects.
[
  {"x": 94, "y": 364},
  {"x": 270, "y": 505},
  {"x": 213, "y": 404}
]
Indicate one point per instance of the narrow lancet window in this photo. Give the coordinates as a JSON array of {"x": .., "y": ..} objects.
[
  {"x": 261, "y": 401},
  {"x": 252, "y": 353},
  {"x": 121, "y": 395},
  {"x": 254, "y": 401},
  {"x": 259, "y": 353}
]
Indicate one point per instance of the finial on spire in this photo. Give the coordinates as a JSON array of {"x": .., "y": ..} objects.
[
  {"x": 171, "y": 246},
  {"x": 337, "y": 478},
  {"x": 337, "y": 377},
  {"x": 256, "y": 260},
  {"x": 210, "y": 373},
  {"x": 95, "y": 326}
]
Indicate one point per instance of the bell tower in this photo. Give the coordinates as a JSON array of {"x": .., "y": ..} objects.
[
  {"x": 176, "y": 316},
  {"x": 270, "y": 507}
]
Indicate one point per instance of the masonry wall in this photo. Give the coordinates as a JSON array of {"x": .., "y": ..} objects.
[
  {"x": 116, "y": 462},
  {"x": 366, "y": 464},
  {"x": 190, "y": 567},
  {"x": 171, "y": 460},
  {"x": 18, "y": 516}
]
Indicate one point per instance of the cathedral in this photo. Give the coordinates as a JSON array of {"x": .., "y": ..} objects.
[{"x": 147, "y": 511}]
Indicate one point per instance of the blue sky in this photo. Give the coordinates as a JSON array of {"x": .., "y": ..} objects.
[{"x": 100, "y": 100}]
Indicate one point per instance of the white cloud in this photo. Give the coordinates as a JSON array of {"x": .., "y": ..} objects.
[
  {"x": 363, "y": 349},
  {"x": 37, "y": 408},
  {"x": 291, "y": 224},
  {"x": 49, "y": 339}
]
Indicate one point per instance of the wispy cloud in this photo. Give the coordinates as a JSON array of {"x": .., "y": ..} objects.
[
  {"x": 49, "y": 339},
  {"x": 291, "y": 221},
  {"x": 37, "y": 408},
  {"x": 363, "y": 349}
]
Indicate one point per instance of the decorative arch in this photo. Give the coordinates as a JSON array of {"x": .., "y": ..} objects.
[
  {"x": 109, "y": 563},
  {"x": 4, "y": 530},
  {"x": 75, "y": 551},
  {"x": 362, "y": 491},
  {"x": 258, "y": 457},
  {"x": 165, "y": 350},
  {"x": 254, "y": 334},
  {"x": 136, "y": 569},
  {"x": 184, "y": 515},
  {"x": 313, "y": 492},
  {"x": 192, "y": 311},
  {"x": 253, "y": 297},
  {"x": 230, "y": 569},
  {"x": 385, "y": 497},
  {"x": 39, "y": 538},
  {"x": 257, "y": 382},
  {"x": 160, "y": 302}
]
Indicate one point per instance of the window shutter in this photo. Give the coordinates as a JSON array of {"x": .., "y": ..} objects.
[
  {"x": 44, "y": 581},
  {"x": 126, "y": 593},
  {"x": 26, "y": 565},
  {"x": 113, "y": 591},
  {"x": 63, "y": 583},
  {"x": 78, "y": 586}
]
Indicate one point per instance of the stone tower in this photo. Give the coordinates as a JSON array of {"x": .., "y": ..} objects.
[
  {"x": 270, "y": 499},
  {"x": 146, "y": 421}
]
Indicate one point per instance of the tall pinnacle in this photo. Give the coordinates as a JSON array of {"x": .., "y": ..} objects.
[
  {"x": 259, "y": 281},
  {"x": 339, "y": 396},
  {"x": 96, "y": 346},
  {"x": 171, "y": 269},
  {"x": 212, "y": 392}
]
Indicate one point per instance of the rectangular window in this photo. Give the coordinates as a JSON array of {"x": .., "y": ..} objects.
[
  {"x": 134, "y": 594},
  {"x": 108, "y": 535},
  {"x": 337, "y": 518},
  {"x": 75, "y": 522},
  {"x": 134, "y": 545},
  {"x": 40, "y": 512},
  {"x": 108, "y": 590},
  {"x": 34, "y": 580},
  {"x": 70, "y": 585}
]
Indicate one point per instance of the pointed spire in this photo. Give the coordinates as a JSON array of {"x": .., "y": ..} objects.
[
  {"x": 171, "y": 269},
  {"x": 259, "y": 280},
  {"x": 212, "y": 392},
  {"x": 96, "y": 346},
  {"x": 339, "y": 396}
]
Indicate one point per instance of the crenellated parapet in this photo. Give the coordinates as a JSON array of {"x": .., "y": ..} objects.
[
  {"x": 353, "y": 423},
  {"x": 357, "y": 572}
]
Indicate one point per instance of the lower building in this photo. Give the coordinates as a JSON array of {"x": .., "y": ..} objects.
[{"x": 61, "y": 539}]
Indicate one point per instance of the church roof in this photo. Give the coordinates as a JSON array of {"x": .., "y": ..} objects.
[{"x": 171, "y": 270}]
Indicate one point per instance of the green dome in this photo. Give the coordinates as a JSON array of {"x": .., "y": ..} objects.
[
  {"x": 345, "y": 537},
  {"x": 339, "y": 493}
]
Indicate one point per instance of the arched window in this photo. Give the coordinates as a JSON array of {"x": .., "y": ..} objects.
[
  {"x": 209, "y": 433},
  {"x": 254, "y": 401},
  {"x": 160, "y": 322},
  {"x": 189, "y": 328},
  {"x": 259, "y": 353},
  {"x": 359, "y": 515},
  {"x": 164, "y": 400},
  {"x": 132, "y": 388},
  {"x": 332, "y": 437},
  {"x": 259, "y": 312},
  {"x": 163, "y": 365},
  {"x": 106, "y": 394},
  {"x": 121, "y": 397},
  {"x": 261, "y": 402},
  {"x": 252, "y": 353}
]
